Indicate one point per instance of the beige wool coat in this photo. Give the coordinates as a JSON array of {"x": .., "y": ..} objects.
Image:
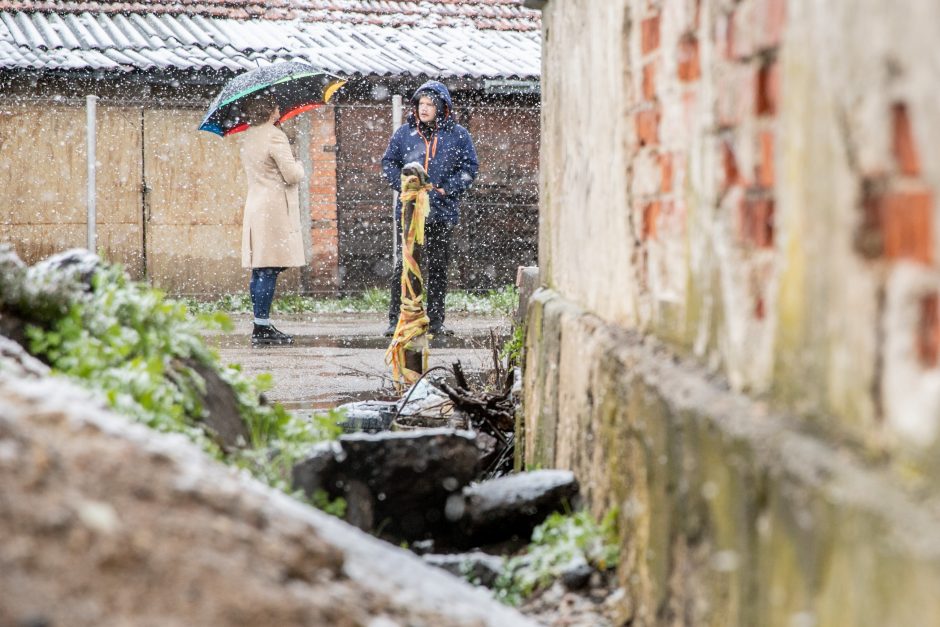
[{"x": 271, "y": 229}]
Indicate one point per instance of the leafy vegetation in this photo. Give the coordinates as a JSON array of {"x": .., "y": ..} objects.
[
  {"x": 139, "y": 350},
  {"x": 501, "y": 301},
  {"x": 562, "y": 540},
  {"x": 511, "y": 352}
]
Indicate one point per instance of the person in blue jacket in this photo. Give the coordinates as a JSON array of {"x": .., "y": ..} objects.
[{"x": 433, "y": 138}]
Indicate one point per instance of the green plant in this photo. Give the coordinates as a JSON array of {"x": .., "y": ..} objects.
[
  {"x": 228, "y": 303},
  {"x": 561, "y": 540},
  {"x": 137, "y": 349},
  {"x": 503, "y": 301},
  {"x": 512, "y": 348},
  {"x": 335, "y": 507},
  {"x": 372, "y": 300},
  {"x": 288, "y": 445}
]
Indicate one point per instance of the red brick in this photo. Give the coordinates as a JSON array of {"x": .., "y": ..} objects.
[
  {"x": 665, "y": 166},
  {"x": 323, "y": 245},
  {"x": 327, "y": 230},
  {"x": 650, "y": 217},
  {"x": 768, "y": 89},
  {"x": 765, "y": 168},
  {"x": 649, "y": 34},
  {"x": 905, "y": 150},
  {"x": 757, "y": 220},
  {"x": 689, "y": 67},
  {"x": 328, "y": 188},
  {"x": 774, "y": 22},
  {"x": 729, "y": 164},
  {"x": 928, "y": 332},
  {"x": 323, "y": 212},
  {"x": 906, "y": 220},
  {"x": 649, "y": 81},
  {"x": 647, "y": 126}
]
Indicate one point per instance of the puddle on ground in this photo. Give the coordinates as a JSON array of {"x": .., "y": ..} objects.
[
  {"x": 357, "y": 342},
  {"x": 323, "y": 402}
]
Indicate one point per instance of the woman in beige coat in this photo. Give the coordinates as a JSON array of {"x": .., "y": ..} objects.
[{"x": 271, "y": 235}]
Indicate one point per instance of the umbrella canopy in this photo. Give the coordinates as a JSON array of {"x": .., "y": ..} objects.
[{"x": 296, "y": 87}]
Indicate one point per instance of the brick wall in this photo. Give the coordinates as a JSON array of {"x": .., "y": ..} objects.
[
  {"x": 324, "y": 231},
  {"x": 759, "y": 193}
]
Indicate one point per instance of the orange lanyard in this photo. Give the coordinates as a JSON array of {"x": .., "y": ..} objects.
[{"x": 429, "y": 150}]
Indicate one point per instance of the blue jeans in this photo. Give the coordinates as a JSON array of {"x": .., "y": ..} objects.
[{"x": 261, "y": 288}]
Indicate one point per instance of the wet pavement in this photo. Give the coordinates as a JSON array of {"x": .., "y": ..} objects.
[{"x": 339, "y": 358}]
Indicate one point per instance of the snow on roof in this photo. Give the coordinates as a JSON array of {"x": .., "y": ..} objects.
[
  {"x": 483, "y": 14},
  {"x": 190, "y": 38}
]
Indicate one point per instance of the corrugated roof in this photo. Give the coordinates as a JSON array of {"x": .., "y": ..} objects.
[
  {"x": 193, "y": 41},
  {"x": 483, "y": 14}
]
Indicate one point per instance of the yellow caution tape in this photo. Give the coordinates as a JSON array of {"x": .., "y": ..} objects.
[{"x": 411, "y": 331}]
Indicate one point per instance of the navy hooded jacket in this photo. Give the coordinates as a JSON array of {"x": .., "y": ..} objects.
[{"x": 447, "y": 151}]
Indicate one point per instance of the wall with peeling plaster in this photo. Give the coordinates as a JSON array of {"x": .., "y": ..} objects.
[
  {"x": 752, "y": 182},
  {"x": 748, "y": 184}
]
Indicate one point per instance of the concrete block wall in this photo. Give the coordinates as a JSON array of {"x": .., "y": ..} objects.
[
  {"x": 744, "y": 186},
  {"x": 729, "y": 516}
]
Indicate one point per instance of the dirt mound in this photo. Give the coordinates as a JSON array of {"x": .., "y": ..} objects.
[{"x": 105, "y": 522}]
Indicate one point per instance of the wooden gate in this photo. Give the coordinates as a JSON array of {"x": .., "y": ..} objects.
[
  {"x": 194, "y": 192},
  {"x": 169, "y": 197},
  {"x": 43, "y": 180}
]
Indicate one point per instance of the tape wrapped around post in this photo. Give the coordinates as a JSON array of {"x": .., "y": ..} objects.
[{"x": 408, "y": 352}]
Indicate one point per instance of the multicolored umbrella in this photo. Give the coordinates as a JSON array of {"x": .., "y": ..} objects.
[{"x": 296, "y": 86}]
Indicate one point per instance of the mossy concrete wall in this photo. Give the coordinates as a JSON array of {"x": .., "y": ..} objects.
[{"x": 730, "y": 514}]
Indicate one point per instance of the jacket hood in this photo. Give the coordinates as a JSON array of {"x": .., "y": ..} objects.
[
  {"x": 438, "y": 88},
  {"x": 444, "y": 117}
]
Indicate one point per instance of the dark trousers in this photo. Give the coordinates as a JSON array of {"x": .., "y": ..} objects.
[
  {"x": 437, "y": 236},
  {"x": 261, "y": 289}
]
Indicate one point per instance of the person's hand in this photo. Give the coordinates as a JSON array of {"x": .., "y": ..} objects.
[{"x": 440, "y": 190}]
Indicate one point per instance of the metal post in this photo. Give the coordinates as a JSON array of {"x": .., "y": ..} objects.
[
  {"x": 396, "y": 122},
  {"x": 91, "y": 105}
]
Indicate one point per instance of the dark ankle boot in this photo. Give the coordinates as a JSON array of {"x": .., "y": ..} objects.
[{"x": 267, "y": 334}]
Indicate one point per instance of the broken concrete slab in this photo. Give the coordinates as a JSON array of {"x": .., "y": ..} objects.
[
  {"x": 492, "y": 510},
  {"x": 396, "y": 481}
]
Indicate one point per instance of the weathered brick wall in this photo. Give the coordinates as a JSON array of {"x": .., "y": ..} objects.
[
  {"x": 324, "y": 230},
  {"x": 751, "y": 181},
  {"x": 739, "y": 338}
]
